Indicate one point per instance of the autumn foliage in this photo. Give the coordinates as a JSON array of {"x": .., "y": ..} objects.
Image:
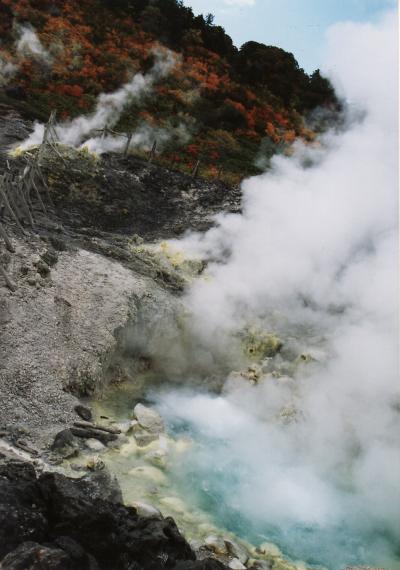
[{"x": 230, "y": 100}]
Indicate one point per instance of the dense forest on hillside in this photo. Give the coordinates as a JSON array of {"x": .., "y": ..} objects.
[{"x": 230, "y": 108}]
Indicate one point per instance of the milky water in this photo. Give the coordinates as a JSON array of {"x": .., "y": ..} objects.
[{"x": 224, "y": 473}]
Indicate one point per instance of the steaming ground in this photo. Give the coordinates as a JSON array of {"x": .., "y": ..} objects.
[
  {"x": 84, "y": 131},
  {"x": 27, "y": 46},
  {"x": 314, "y": 256},
  {"x": 81, "y": 131}
]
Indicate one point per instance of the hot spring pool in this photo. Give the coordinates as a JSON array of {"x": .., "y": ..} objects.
[{"x": 234, "y": 474}]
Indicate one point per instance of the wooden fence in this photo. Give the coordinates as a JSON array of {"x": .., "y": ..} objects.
[{"x": 24, "y": 193}]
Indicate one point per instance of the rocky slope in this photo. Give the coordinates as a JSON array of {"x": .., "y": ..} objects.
[
  {"x": 77, "y": 283},
  {"x": 82, "y": 276}
]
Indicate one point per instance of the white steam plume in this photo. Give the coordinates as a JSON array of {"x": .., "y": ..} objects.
[
  {"x": 314, "y": 256},
  {"x": 7, "y": 71},
  {"x": 142, "y": 139},
  {"x": 109, "y": 106},
  {"x": 29, "y": 45}
]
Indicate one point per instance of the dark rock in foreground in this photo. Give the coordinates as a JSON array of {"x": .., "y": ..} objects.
[{"x": 51, "y": 522}]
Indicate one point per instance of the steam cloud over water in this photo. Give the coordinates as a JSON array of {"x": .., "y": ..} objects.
[
  {"x": 314, "y": 257},
  {"x": 108, "y": 110}
]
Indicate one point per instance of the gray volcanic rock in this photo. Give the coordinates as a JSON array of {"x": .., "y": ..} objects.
[
  {"x": 56, "y": 337},
  {"x": 86, "y": 311},
  {"x": 82, "y": 275},
  {"x": 128, "y": 195}
]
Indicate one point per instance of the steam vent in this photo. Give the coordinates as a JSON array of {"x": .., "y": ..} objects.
[{"x": 199, "y": 365}]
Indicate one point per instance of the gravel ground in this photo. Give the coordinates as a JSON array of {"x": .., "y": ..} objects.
[{"x": 55, "y": 334}]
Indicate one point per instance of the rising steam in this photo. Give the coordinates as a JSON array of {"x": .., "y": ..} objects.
[
  {"x": 142, "y": 139},
  {"x": 109, "y": 108},
  {"x": 313, "y": 257},
  {"x": 7, "y": 71},
  {"x": 29, "y": 45}
]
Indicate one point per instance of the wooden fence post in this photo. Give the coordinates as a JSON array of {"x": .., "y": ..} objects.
[
  {"x": 153, "y": 152},
  {"x": 128, "y": 142},
  {"x": 195, "y": 171}
]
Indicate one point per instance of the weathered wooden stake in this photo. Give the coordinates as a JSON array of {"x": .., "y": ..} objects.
[
  {"x": 153, "y": 151},
  {"x": 196, "y": 169},
  {"x": 128, "y": 142},
  {"x": 33, "y": 185},
  {"x": 6, "y": 239},
  {"x": 49, "y": 131},
  {"x": 19, "y": 189},
  {"x": 11, "y": 212},
  {"x": 39, "y": 173},
  {"x": 9, "y": 282}
]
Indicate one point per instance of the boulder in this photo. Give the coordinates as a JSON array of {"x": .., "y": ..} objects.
[
  {"x": 95, "y": 464},
  {"x": 217, "y": 545},
  {"x": 62, "y": 439},
  {"x": 124, "y": 427},
  {"x": 157, "y": 457},
  {"x": 65, "y": 444},
  {"x": 149, "y": 472},
  {"x": 268, "y": 549},
  {"x": 260, "y": 565},
  {"x": 236, "y": 550},
  {"x": 42, "y": 268},
  {"x": 84, "y": 412},
  {"x": 143, "y": 437},
  {"x": 235, "y": 564},
  {"x": 94, "y": 444},
  {"x": 145, "y": 510},
  {"x": 50, "y": 256},
  {"x": 149, "y": 419},
  {"x": 175, "y": 504}
]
